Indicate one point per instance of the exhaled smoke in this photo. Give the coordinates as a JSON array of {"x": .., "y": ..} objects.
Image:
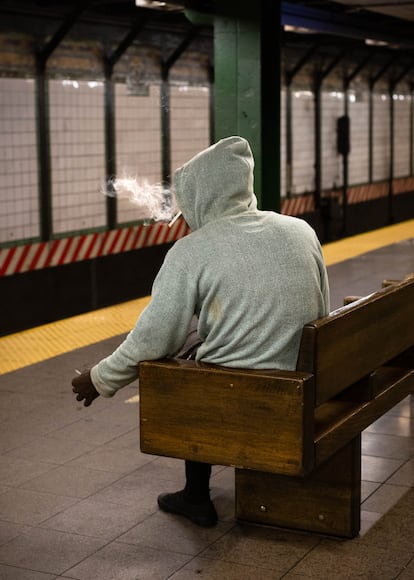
[{"x": 153, "y": 201}]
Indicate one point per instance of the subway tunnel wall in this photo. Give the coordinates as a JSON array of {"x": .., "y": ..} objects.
[{"x": 66, "y": 248}]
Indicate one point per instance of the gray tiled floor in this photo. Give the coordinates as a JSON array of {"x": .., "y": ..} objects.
[{"x": 78, "y": 499}]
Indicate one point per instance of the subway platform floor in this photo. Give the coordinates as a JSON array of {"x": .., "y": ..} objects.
[{"x": 78, "y": 498}]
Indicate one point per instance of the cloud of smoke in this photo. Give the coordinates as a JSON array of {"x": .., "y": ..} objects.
[{"x": 153, "y": 201}]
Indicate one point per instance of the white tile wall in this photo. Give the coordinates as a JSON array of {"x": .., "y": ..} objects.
[
  {"x": 78, "y": 151},
  {"x": 77, "y": 155},
  {"x": 402, "y": 106},
  {"x": 138, "y": 142},
  {"x": 332, "y": 108},
  {"x": 19, "y": 201},
  {"x": 381, "y": 136},
  {"x": 358, "y": 161},
  {"x": 303, "y": 145},
  {"x": 190, "y": 116}
]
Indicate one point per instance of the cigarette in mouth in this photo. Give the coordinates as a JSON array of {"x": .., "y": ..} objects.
[
  {"x": 175, "y": 218},
  {"x": 78, "y": 372}
]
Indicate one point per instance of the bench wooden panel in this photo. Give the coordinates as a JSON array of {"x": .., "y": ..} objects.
[
  {"x": 205, "y": 413},
  {"x": 348, "y": 344},
  {"x": 327, "y": 501}
]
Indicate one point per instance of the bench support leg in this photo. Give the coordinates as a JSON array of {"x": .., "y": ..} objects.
[{"x": 328, "y": 501}]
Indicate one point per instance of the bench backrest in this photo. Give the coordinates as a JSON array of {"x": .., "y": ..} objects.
[{"x": 352, "y": 341}]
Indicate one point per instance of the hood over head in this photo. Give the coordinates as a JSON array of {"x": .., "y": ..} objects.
[{"x": 217, "y": 182}]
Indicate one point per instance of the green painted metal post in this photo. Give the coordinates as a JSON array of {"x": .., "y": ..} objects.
[
  {"x": 43, "y": 150},
  {"x": 270, "y": 104},
  {"x": 110, "y": 148},
  {"x": 411, "y": 128},
  {"x": 247, "y": 87}
]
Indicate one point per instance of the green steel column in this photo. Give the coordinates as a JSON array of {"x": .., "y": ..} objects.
[
  {"x": 392, "y": 151},
  {"x": 247, "y": 87},
  {"x": 110, "y": 148},
  {"x": 270, "y": 104},
  {"x": 411, "y": 128},
  {"x": 371, "y": 133},
  {"x": 165, "y": 103},
  {"x": 43, "y": 150}
]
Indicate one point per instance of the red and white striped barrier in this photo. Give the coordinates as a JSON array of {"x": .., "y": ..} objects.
[
  {"x": 370, "y": 191},
  {"x": 298, "y": 205},
  {"x": 367, "y": 192},
  {"x": 403, "y": 184},
  {"x": 40, "y": 255}
]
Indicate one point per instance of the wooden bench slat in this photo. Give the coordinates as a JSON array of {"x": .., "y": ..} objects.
[{"x": 203, "y": 413}]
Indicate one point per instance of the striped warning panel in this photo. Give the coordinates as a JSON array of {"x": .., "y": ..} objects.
[
  {"x": 367, "y": 192},
  {"x": 371, "y": 191},
  {"x": 298, "y": 205},
  {"x": 403, "y": 184},
  {"x": 40, "y": 255},
  {"x": 302, "y": 204}
]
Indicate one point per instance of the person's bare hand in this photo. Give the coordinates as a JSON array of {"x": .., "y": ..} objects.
[{"x": 84, "y": 389}]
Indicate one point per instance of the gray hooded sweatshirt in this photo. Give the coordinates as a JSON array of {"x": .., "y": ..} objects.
[{"x": 253, "y": 278}]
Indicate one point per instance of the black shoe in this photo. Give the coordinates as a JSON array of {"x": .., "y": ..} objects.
[{"x": 203, "y": 514}]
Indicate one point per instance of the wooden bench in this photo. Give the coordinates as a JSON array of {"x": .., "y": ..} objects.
[{"x": 294, "y": 437}]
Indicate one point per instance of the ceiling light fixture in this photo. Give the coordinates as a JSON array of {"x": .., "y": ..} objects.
[{"x": 158, "y": 5}]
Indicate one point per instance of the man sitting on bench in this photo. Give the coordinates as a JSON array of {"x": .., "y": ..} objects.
[{"x": 251, "y": 278}]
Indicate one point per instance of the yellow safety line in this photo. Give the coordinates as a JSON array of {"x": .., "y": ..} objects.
[
  {"x": 43, "y": 342},
  {"x": 348, "y": 248}
]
